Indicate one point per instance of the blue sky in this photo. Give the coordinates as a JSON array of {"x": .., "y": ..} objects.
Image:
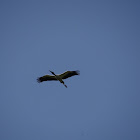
[{"x": 99, "y": 38}]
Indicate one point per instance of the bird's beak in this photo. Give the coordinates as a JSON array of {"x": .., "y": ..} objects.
[{"x": 52, "y": 72}]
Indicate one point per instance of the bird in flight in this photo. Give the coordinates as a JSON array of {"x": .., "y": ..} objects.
[{"x": 59, "y": 77}]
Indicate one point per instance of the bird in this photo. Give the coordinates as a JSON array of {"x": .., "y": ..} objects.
[{"x": 59, "y": 77}]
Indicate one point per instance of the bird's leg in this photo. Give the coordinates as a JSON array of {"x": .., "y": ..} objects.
[{"x": 64, "y": 84}]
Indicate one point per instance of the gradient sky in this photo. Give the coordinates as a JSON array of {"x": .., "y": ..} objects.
[{"x": 99, "y": 38}]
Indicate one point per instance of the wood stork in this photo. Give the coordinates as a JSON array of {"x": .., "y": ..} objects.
[{"x": 59, "y": 77}]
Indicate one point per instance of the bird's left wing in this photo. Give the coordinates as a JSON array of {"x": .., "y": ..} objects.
[
  {"x": 46, "y": 78},
  {"x": 69, "y": 74}
]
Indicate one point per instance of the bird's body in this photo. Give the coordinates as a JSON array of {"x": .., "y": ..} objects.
[{"x": 64, "y": 75}]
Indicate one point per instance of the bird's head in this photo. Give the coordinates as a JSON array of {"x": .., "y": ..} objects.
[{"x": 52, "y": 72}]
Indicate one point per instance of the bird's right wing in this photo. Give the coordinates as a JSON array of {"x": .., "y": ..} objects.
[
  {"x": 68, "y": 74},
  {"x": 46, "y": 78}
]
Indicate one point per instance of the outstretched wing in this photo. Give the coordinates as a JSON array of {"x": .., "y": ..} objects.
[
  {"x": 46, "y": 78},
  {"x": 68, "y": 74}
]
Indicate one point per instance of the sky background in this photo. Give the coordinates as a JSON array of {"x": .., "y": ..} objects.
[{"x": 99, "y": 38}]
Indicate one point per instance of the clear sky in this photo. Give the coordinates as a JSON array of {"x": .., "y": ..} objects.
[{"x": 99, "y": 38}]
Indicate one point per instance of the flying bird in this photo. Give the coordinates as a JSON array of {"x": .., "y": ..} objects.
[{"x": 59, "y": 77}]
